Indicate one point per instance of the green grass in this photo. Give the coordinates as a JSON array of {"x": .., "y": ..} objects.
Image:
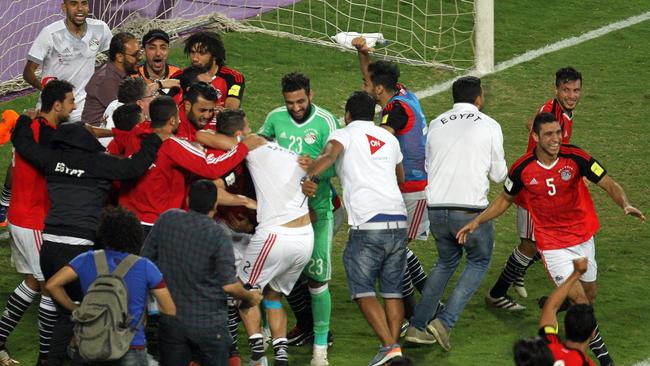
[{"x": 610, "y": 123}]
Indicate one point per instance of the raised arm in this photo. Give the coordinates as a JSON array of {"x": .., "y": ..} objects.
[
  {"x": 326, "y": 159},
  {"x": 557, "y": 297},
  {"x": 363, "y": 51}
]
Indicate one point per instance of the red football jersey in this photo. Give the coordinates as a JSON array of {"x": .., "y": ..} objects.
[
  {"x": 30, "y": 200},
  {"x": 238, "y": 181},
  {"x": 165, "y": 184},
  {"x": 229, "y": 83},
  {"x": 556, "y": 196},
  {"x": 186, "y": 129},
  {"x": 565, "y": 120},
  {"x": 570, "y": 356}
]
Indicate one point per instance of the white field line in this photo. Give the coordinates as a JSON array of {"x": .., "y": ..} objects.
[
  {"x": 643, "y": 363},
  {"x": 533, "y": 54}
]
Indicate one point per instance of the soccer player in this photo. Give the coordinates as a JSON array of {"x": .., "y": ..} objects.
[
  {"x": 281, "y": 246},
  {"x": 303, "y": 127},
  {"x": 196, "y": 111},
  {"x": 369, "y": 162},
  {"x": 206, "y": 49},
  {"x": 549, "y": 182},
  {"x": 67, "y": 48},
  {"x": 568, "y": 88},
  {"x": 402, "y": 116},
  {"x": 164, "y": 186},
  {"x": 30, "y": 203},
  {"x": 156, "y": 51}
]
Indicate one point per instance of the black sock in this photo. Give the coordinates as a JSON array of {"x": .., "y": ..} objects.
[
  {"x": 233, "y": 323},
  {"x": 407, "y": 284},
  {"x": 17, "y": 304},
  {"x": 46, "y": 319},
  {"x": 300, "y": 302},
  {"x": 418, "y": 277},
  {"x": 409, "y": 306},
  {"x": 598, "y": 347},
  {"x": 5, "y": 197},
  {"x": 515, "y": 267}
]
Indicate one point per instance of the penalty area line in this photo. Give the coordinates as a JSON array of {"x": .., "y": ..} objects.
[{"x": 533, "y": 54}]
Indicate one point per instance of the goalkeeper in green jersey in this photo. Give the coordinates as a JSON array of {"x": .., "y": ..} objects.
[{"x": 304, "y": 127}]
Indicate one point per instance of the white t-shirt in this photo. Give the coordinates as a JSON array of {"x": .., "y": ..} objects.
[
  {"x": 69, "y": 58},
  {"x": 108, "y": 115},
  {"x": 464, "y": 147},
  {"x": 367, "y": 171},
  {"x": 276, "y": 176}
]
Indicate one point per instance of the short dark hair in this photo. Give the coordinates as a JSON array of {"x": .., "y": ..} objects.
[
  {"x": 131, "y": 90},
  {"x": 466, "y": 89},
  {"x": 384, "y": 73},
  {"x": 361, "y": 106},
  {"x": 202, "y": 89},
  {"x": 190, "y": 76},
  {"x": 54, "y": 91},
  {"x": 230, "y": 121},
  {"x": 126, "y": 116},
  {"x": 295, "y": 81},
  {"x": 161, "y": 109},
  {"x": 542, "y": 118},
  {"x": 579, "y": 323},
  {"x": 210, "y": 42},
  {"x": 202, "y": 196},
  {"x": 566, "y": 74},
  {"x": 118, "y": 44},
  {"x": 532, "y": 352},
  {"x": 120, "y": 229}
]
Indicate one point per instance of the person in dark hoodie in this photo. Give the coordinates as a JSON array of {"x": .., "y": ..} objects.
[{"x": 79, "y": 175}]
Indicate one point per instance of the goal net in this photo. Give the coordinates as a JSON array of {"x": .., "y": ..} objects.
[{"x": 424, "y": 32}]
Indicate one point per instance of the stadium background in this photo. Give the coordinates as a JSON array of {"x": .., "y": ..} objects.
[{"x": 610, "y": 123}]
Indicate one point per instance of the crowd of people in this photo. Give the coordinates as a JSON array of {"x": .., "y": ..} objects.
[{"x": 151, "y": 173}]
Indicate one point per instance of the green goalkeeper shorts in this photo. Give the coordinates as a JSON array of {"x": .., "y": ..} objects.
[{"x": 319, "y": 267}]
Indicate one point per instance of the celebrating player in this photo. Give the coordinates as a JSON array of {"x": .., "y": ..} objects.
[
  {"x": 568, "y": 86},
  {"x": 548, "y": 181}
]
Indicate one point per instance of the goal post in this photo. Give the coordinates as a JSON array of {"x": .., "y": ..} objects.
[{"x": 484, "y": 36}]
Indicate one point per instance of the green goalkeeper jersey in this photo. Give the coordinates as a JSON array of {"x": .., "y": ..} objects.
[{"x": 307, "y": 138}]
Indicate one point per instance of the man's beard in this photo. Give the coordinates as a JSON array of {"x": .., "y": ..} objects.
[{"x": 304, "y": 116}]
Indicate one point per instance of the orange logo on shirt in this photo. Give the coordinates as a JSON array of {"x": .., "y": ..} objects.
[{"x": 374, "y": 143}]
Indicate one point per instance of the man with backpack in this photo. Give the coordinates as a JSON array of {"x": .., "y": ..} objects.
[{"x": 115, "y": 283}]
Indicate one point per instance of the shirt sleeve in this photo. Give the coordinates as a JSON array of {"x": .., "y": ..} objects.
[
  {"x": 267, "y": 128},
  {"x": 106, "y": 39},
  {"x": 549, "y": 334},
  {"x": 498, "y": 167},
  {"x": 40, "y": 48},
  {"x": 236, "y": 85},
  {"x": 206, "y": 165},
  {"x": 154, "y": 276},
  {"x": 589, "y": 167},
  {"x": 513, "y": 184},
  {"x": 395, "y": 117},
  {"x": 79, "y": 262},
  {"x": 341, "y": 136}
]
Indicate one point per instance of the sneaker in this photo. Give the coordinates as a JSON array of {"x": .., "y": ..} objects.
[
  {"x": 414, "y": 335},
  {"x": 440, "y": 333},
  {"x": 261, "y": 362},
  {"x": 5, "y": 359},
  {"x": 564, "y": 307},
  {"x": 297, "y": 337},
  {"x": 151, "y": 361},
  {"x": 404, "y": 328},
  {"x": 319, "y": 357},
  {"x": 386, "y": 354},
  {"x": 519, "y": 287},
  {"x": 504, "y": 302},
  {"x": 3, "y": 223}
]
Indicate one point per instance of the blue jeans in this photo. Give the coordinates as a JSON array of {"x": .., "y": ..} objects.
[
  {"x": 178, "y": 341},
  {"x": 372, "y": 255},
  {"x": 444, "y": 225},
  {"x": 134, "y": 357}
]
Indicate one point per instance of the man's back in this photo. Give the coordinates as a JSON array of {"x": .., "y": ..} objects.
[
  {"x": 276, "y": 176},
  {"x": 464, "y": 148},
  {"x": 195, "y": 255}
]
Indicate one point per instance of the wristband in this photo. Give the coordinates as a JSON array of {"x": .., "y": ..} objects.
[{"x": 311, "y": 178}]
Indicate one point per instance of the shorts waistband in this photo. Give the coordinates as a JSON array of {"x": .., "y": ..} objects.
[{"x": 385, "y": 225}]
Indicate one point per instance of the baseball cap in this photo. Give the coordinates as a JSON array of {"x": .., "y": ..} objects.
[{"x": 155, "y": 34}]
